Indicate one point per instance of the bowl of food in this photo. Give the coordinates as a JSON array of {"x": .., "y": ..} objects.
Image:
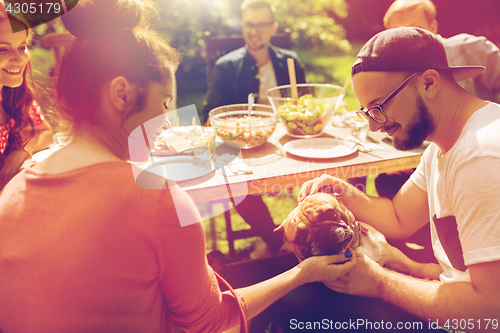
[
  {"x": 306, "y": 115},
  {"x": 247, "y": 129}
]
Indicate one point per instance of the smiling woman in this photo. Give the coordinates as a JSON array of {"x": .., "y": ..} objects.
[{"x": 22, "y": 127}]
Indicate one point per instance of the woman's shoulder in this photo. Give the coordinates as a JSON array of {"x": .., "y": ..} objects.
[{"x": 115, "y": 186}]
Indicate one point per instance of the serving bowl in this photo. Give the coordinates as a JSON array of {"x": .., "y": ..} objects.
[
  {"x": 307, "y": 115},
  {"x": 233, "y": 124}
]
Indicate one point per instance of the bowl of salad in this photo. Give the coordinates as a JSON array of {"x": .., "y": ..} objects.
[
  {"x": 307, "y": 115},
  {"x": 234, "y": 123}
]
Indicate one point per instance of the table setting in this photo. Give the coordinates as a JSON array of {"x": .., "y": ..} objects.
[
  {"x": 306, "y": 128},
  {"x": 185, "y": 153},
  {"x": 299, "y": 140},
  {"x": 304, "y": 132}
]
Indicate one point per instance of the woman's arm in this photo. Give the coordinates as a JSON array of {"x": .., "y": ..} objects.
[
  {"x": 190, "y": 287},
  {"x": 259, "y": 296}
]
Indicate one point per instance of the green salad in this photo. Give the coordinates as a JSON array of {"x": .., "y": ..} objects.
[{"x": 304, "y": 116}]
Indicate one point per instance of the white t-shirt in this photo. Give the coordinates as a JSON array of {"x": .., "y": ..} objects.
[
  {"x": 267, "y": 78},
  {"x": 465, "y": 183}
]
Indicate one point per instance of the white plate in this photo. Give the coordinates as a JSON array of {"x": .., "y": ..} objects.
[
  {"x": 320, "y": 147},
  {"x": 178, "y": 168},
  {"x": 43, "y": 154}
]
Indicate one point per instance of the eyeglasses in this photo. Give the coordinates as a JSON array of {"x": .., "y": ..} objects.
[
  {"x": 375, "y": 112},
  {"x": 260, "y": 27}
]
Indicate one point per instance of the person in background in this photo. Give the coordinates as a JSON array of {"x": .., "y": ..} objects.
[
  {"x": 83, "y": 247},
  {"x": 407, "y": 89},
  {"x": 461, "y": 50},
  {"x": 253, "y": 69},
  {"x": 23, "y": 129}
]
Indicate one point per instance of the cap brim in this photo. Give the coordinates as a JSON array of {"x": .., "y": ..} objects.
[{"x": 464, "y": 72}]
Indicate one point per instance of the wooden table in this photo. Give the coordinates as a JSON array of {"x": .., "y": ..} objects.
[{"x": 275, "y": 170}]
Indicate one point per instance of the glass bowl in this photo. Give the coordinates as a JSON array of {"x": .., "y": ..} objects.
[
  {"x": 307, "y": 115},
  {"x": 233, "y": 124}
]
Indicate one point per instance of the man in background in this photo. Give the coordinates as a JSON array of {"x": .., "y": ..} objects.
[
  {"x": 253, "y": 69},
  {"x": 461, "y": 50}
]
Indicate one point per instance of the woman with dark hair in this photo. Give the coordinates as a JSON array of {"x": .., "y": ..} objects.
[
  {"x": 103, "y": 254},
  {"x": 23, "y": 130}
]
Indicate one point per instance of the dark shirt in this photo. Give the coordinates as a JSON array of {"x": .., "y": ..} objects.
[{"x": 234, "y": 76}]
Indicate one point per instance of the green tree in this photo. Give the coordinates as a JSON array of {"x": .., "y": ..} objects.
[{"x": 312, "y": 23}]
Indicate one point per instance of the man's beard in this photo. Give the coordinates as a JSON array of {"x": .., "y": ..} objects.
[
  {"x": 418, "y": 130},
  {"x": 259, "y": 47}
]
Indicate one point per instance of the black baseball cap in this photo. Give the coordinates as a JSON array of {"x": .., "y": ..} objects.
[{"x": 408, "y": 49}]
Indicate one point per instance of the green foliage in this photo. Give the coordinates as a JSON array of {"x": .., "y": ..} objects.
[
  {"x": 322, "y": 67},
  {"x": 184, "y": 21},
  {"x": 312, "y": 26}
]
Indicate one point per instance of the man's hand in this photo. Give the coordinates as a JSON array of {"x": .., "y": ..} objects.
[
  {"x": 363, "y": 280},
  {"x": 326, "y": 268}
]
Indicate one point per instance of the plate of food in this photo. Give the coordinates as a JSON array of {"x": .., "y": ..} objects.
[{"x": 320, "y": 148}]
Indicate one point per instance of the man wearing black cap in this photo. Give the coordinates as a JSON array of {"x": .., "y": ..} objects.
[
  {"x": 462, "y": 49},
  {"x": 406, "y": 89}
]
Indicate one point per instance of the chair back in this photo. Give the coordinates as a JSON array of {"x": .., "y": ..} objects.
[{"x": 217, "y": 46}]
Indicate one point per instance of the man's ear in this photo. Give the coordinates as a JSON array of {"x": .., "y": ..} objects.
[
  {"x": 121, "y": 93},
  {"x": 434, "y": 26},
  {"x": 430, "y": 79}
]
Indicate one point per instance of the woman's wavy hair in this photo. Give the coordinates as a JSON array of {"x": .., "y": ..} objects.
[{"x": 17, "y": 102}]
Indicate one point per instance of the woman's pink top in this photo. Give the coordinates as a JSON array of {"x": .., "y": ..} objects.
[
  {"x": 90, "y": 251},
  {"x": 35, "y": 113}
]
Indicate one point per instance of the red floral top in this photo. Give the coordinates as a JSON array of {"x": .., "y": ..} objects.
[{"x": 35, "y": 113}]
